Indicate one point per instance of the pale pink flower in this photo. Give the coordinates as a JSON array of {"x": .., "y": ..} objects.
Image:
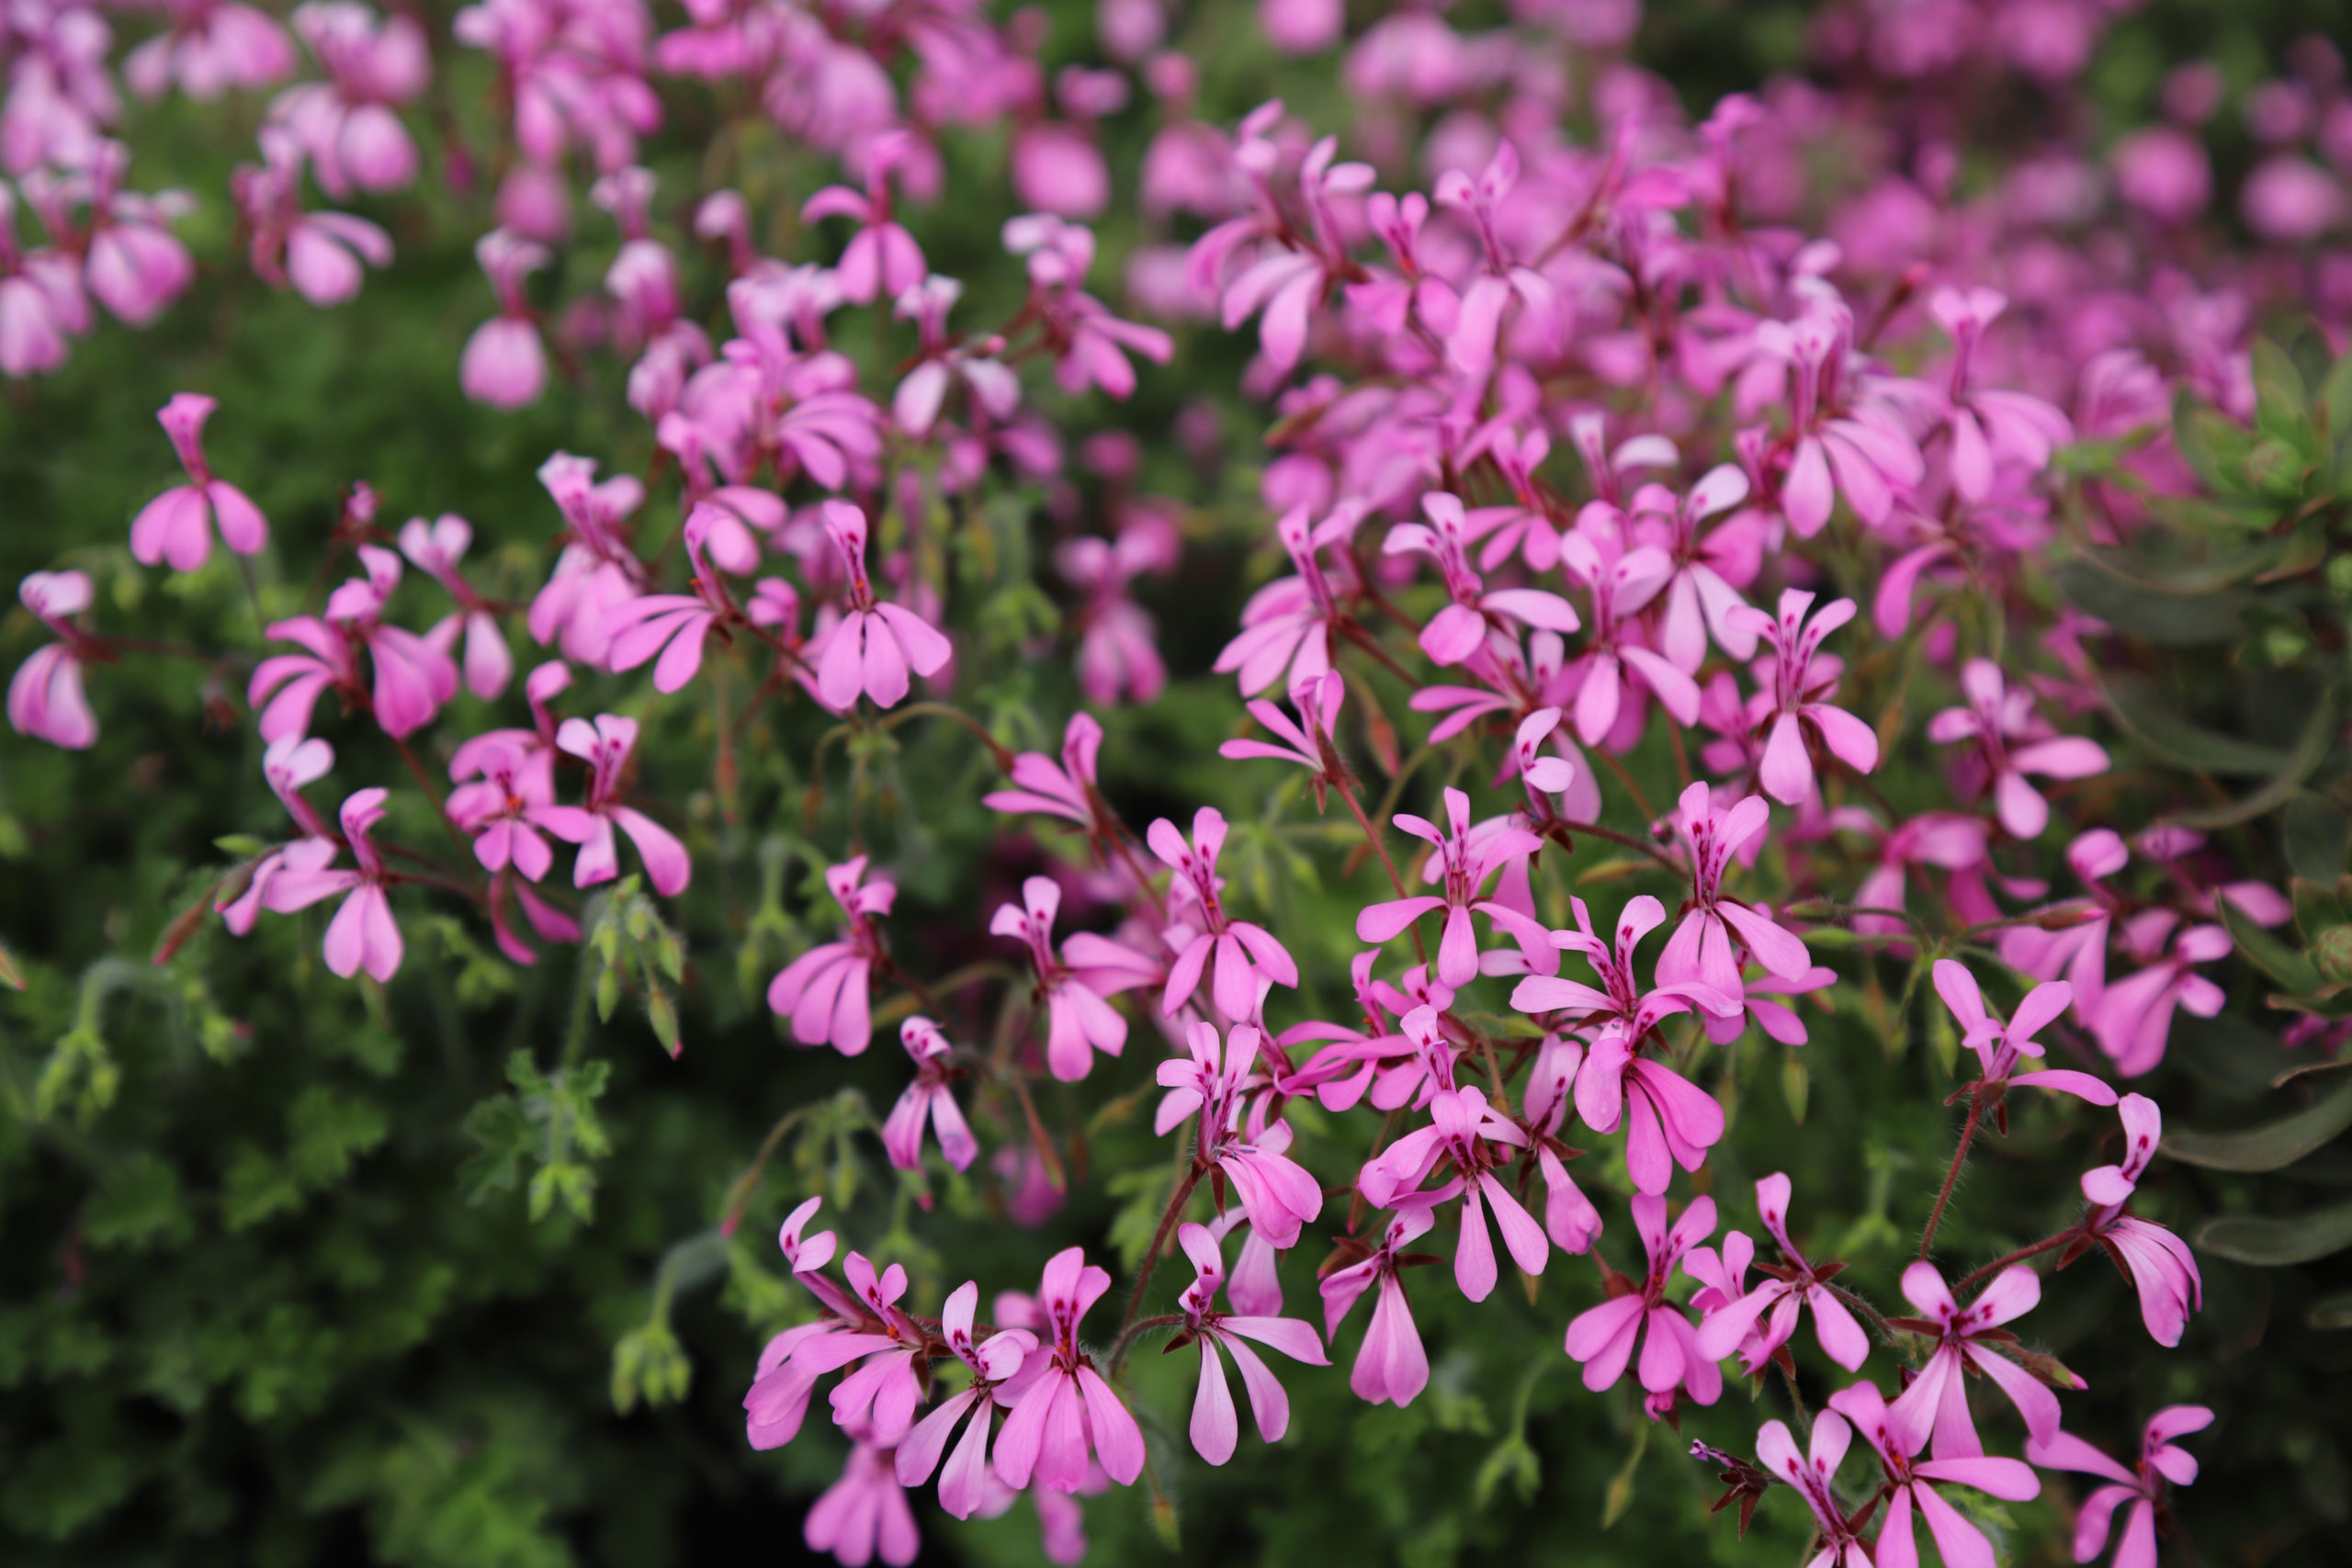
[
  {"x": 2157, "y": 1262},
  {"x": 860, "y": 1324},
  {"x": 1602, "y": 1339},
  {"x": 135, "y": 265},
  {"x": 45, "y": 697},
  {"x": 1991, "y": 427},
  {"x": 505, "y": 365},
  {"x": 363, "y": 934},
  {"x": 1701, "y": 599},
  {"x": 876, "y": 642},
  {"x": 677, "y": 626},
  {"x": 1801, "y": 681},
  {"x": 1286, "y": 626},
  {"x": 882, "y": 259},
  {"x": 1391, "y": 1366},
  {"x": 412, "y": 677},
  {"x": 1758, "y": 1322},
  {"x": 825, "y": 991},
  {"x": 211, "y": 47},
  {"x": 1971, "y": 1339},
  {"x": 1062, "y": 1409},
  {"x": 1700, "y": 949},
  {"x": 606, "y": 745},
  {"x": 1897, "y": 1438},
  {"x": 1466, "y": 859},
  {"x": 1474, "y": 1140},
  {"x": 2162, "y": 1461},
  {"x": 2010, "y": 740},
  {"x": 176, "y": 526},
  {"x": 346, "y": 124},
  {"x": 1464, "y": 626},
  {"x": 1079, "y": 1021},
  {"x": 1276, "y": 1193},
  {"x": 2134, "y": 1019},
  {"x": 863, "y": 1515},
  {"x": 993, "y": 1361},
  {"x": 1615, "y": 663},
  {"x": 1244, "y": 953},
  {"x": 435, "y": 548},
  {"x": 1065, "y": 789},
  {"x": 1216, "y": 1426},
  {"x": 928, "y": 1099},
  {"x": 1844, "y": 442},
  {"x": 503, "y": 808},
  {"x": 320, "y": 253}
]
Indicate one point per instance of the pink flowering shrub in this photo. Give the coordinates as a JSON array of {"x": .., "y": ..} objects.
[{"x": 1519, "y": 696}]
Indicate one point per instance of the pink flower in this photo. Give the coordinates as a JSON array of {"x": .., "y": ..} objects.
[
  {"x": 436, "y": 550},
  {"x": 864, "y": 1325},
  {"x": 45, "y": 699},
  {"x": 1668, "y": 1120},
  {"x": 882, "y": 259},
  {"x": 2164, "y": 172},
  {"x": 1856, "y": 441},
  {"x": 412, "y": 677},
  {"x": 1700, "y": 948},
  {"x": 177, "y": 525},
  {"x": 863, "y": 1515},
  {"x": 1970, "y": 1338},
  {"x": 505, "y": 365},
  {"x": 1216, "y": 1426},
  {"x": 319, "y": 252},
  {"x": 362, "y": 935},
  {"x": 1287, "y": 626},
  {"x": 824, "y": 991},
  {"x": 2011, "y": 741},
  {"x": 1307, "y": 742},
  {"x": 928, "y": 1099},
  {"x": 1802, "y": 681},
  {"x": 1620, "y": 1000},
  {"x": 2157, "y": 1262},
  {"x": 1991, "y": 427},
  {"x": 1701, "y": 600},
  {"x": 504, "y": 807},
  {"x": 993, "y": 1361},
  {"x": 1467, "y": 1132},
  {"x": 2134, "y": 1017},
  {"x": 1814, "y": 1475},
  {"x": 2290, "y": 201},
  {"x": 1065, "y": 789},
  {"x": 1898, "y": 1436},
  {"x": 1056, "y": 168},
  {"x": 1733, "y": 1322},
  {"x": 1569, "y": 1218},
  {"x": 1062, "y": 1408},
  {"x": 876, "y": 642},
  {"x": 2162, "y": 1461},
  {"x": 1078, "y": 1021},
  {"x": 1999, "y": 1046},
  {"x": 1245, "y": 953},
  {"x": 1118, "y": 653},
  {"x": 1463, "y": 627},
  {"x": 1602, "y": 1339},
  {"x": 1622, "y": 582},
  {"x": 1391, "y": 1367},
  {"x": 346, "y": 124},
  {"x": 211, "y": 47},
  {"x": 676, "y": 625},
  {"x": 1466, "y": 859},
  {"x": 606, "y": 745},
  {"x": 1277, "y": 1192},
  {"x": 135, "y": 265}
]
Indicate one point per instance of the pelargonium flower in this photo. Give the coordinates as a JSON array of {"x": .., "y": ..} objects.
[
  {"x": 1846, "y": 438},
  {"x": 825, "y": 991},
  {"x": 1620, "y": 999},
  {"x": 435, "y": 548},
  {"x": 412, "y": 677},
  {"x": 864, "y": 1515},
  {"x": 877, "y": 641},
  {"x": 1569, "y": 1218},
  {"x": 1999, "y": 1046},
  {"x": 1391, "y": 1366},
  {"x": 1341, "y": 1072},
  {"x": 1467, "y": 1132},
  {"x": 859, "y": 1325},
  {"x": 363, "y": 934},
  {"x": 994, "y": 1362},
  {"x": 176, "y": 526},
  {"x": 1466, "y": 859},
  {"x": 2011, "y": 742},
  {"x": 505, "y": 364},
  {"x": 1701, "y": 599},
  {"x": 505, "y": 805},
  {"x": 881, "y": 259},
  {"x": 1460, "y": 629},
  {"x": 1616, "y": 663},
  {"x": 1732, "y": 1325},
  {"x": 2157, "y": 1262},
  {"x": 1062, "y": 1409},
  {"x": 1699, "y": 950},
  {"x": 1216, "y": 1425},
  {"x": 1668, "y": 1120},
  {"x": 1305, "y": 740},
  {"x": 2162, "y": 1461},
  {"x": 606, "y": 745},
  {"x": 1815, "y": 1475},
  {"x": 1991, "y": 427},
  {"x": 288, "y": 765},
  {"x": 1078, "y": 1021},
  {"x": 2135, "y": 1017},
  {"x": 1286, "y": 626},
  {"x": 1967, "y": 1339},
  {"x": 1277, "y": 1192},
  {"x": 1066, "y": 789},
  {"x": 1244, "y": 953},
  {"x": 674, "y": 625},
  {"x": 1803, "y": 680},
  {"x": 45, "y": 696},
  {"x": 1911, "y": 1483},
  {"x": 928, "y": 1099},
  {"x": 1602, "y": 1339}
]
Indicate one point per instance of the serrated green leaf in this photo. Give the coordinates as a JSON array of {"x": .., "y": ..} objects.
[
  {"x": 2270, "y": 1146},
  {"x": 2276, "y": 1241}
]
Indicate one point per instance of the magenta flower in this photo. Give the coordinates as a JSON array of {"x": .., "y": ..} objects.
[
  {"x": 2157, "y": 1262},
  {"x": 1991, "y": 427},
  {"x": 135, "y": 266},
  {"x": 864, "y": 1515},
  {"x": 1602, "y": 1339},
  {"x": 825, "y": 991},
  {"x": 1700, "y": 949},
  {"x": 1943, "y": 840},
  {"x": 1802, "y": 681},
  {"x": 1467, "y": 1132},
  {"x": 1216, "y": 1426},
  {"x": 1569, "y": 1218},
  {"x": 862, "y": 1327},
  {"x": 1305, "y": 740},
  {"x": 2133, "y": 1021},
  {"x": 1245, "y": 953},
  {"x": 676, "y": 625},
  {"x": 2162, "y": 1461},
  {"x": 1286, "y": 626},
  {"x": 209, "y": 46},
  {"x": 505, "y": 365},
  {"x": 346, "y": 124},
  {"x": 177, "y": 525},
  {"x": 1668, "y": 1120},
  {"x": 876, "y": 642},
  {"x": 1463, "y": 627},
  {"x": 363, "y": 934},
  {"x": 505, "y": 805},
  {"x": 1615, "y": 660},
  {"x": 1897, "y": 1438},
  {"x": 288, "y": 765},
  {"x": 412, "y": 677},
  {"x": 964, "y": 1484},
  {"x": 882, "y": 259},
  {"x": 606, "y": 745},
  {"x": 1062, "y": 1408},
  {"x": 1620, "y": 999},
  {"x": 45, "y": 697},
  {"x": 1843, "y": 441},
  {"x": 928, "y": 1099},
  {"x": 1278, "y": 1193},
  {"x": 1118, "y": 652},
  {"x": 1340, "y": 1072},
  {"x": 2011, "y": 742},
  {"x": 1066, "y": 789},
  {"x": 1814, "y": 1475},
  {"x": 877, "y": 1402},
  {"x": 1701, "y": 601},
  {"x": 1999, "y": 1046},
  {"x": 1970, "y": 1339},
  {"x": 1733, "y": 1324},
  {"x": 1078, "y": 1021},
  {"x": 319, "y": 252},
  {"x": 1466, "y": 859},
  {"x": 1391, "y": 1366},
  {"x": 435, "y": 550}
]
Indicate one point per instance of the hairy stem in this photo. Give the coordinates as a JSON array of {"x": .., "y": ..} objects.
[{"x": 1951, "y": 1176}]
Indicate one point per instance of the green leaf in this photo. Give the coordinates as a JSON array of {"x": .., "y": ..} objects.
[
  {"x": 1796, "y": 1084},
  {"x": 2310, "y": 747},
  {"x": 649, "y": 1365},
  {"x": 325, "y": 1132},
  {"x": 2146, "y": 718},
  {"x": 2317, "y": 834},
  {"x": 138, "y": 1206},
  {"x": 2267, "y": 952},
  {"x": 255, "y": 1189},
  {"x": 2270, "y": 1146},
  {"x": 2279, "y": 398},
  {"x": 2275, "y": 1241},
  {"x": 2167, "y": 618}
]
